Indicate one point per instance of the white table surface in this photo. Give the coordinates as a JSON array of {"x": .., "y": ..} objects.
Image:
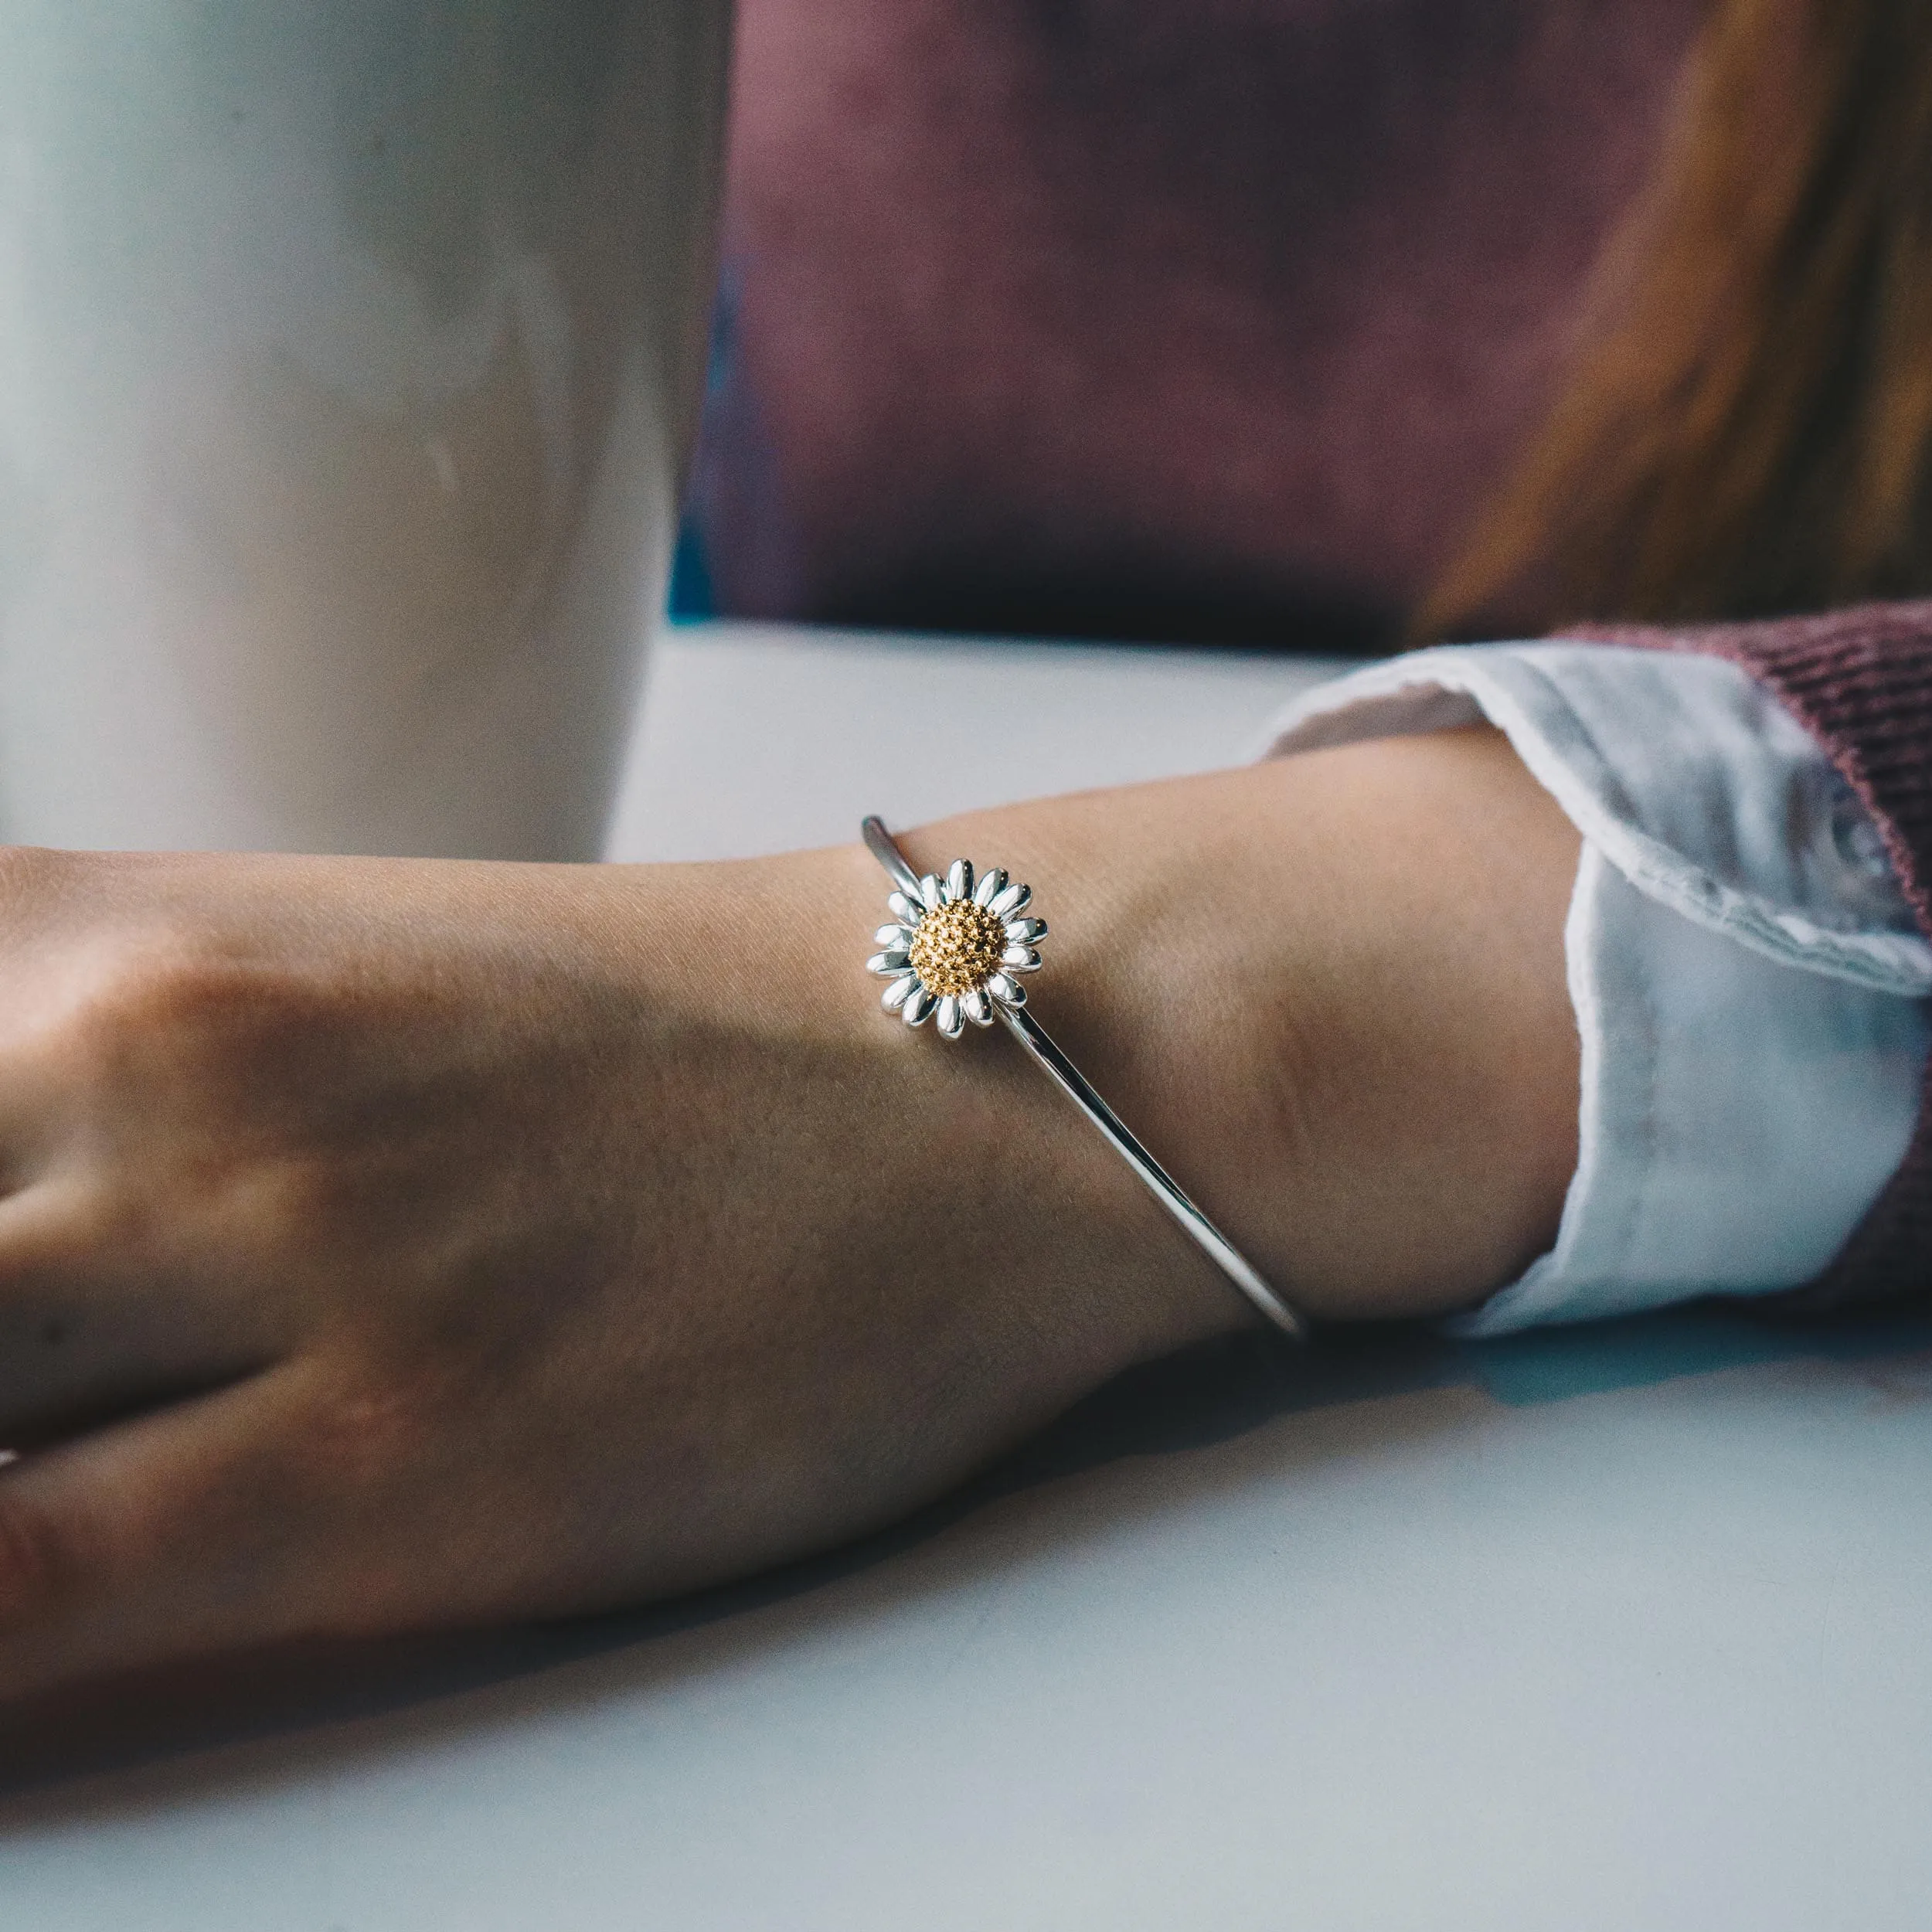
[{"x": 1627, "y": 1629}]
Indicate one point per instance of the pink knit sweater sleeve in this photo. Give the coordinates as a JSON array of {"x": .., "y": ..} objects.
[{"x": 1860, "y": 682}]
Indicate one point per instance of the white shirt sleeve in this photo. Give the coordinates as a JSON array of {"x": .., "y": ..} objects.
[{"x": 1750, "y": 989}]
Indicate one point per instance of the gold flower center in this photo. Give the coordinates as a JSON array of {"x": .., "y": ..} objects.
[{"x": 957, "y": 948}]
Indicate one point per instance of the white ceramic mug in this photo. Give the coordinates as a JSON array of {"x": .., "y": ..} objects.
[{"x": 348, "y": 352}]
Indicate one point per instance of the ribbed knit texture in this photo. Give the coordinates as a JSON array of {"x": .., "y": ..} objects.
[{"x": 1860, "y": 682}]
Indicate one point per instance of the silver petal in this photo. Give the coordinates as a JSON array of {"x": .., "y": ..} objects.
[
  {"x": 914, "y": 1010},
  {"x": 977, "y": 1007},
  {"x": 991, "y": 886},
  {"x": 889, "y": 963},
  {"x": 1012, "y": 902},
  {"x": 892, "y": 936},
  {"x": 959, "y": 880},
  {"x": 1020, "y": 959},
  {"x": 929, "y": 891},
  {"x": 1025, "y": 932},
  {"x": 896, "y": 994},
  {"x": 951, "y": 1020},
  {"x": 1007, "y": 990},
  {"x": 908, "y": 912}
]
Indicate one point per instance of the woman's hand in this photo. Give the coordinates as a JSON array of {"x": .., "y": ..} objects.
[{"x": 387, "y": 1244}]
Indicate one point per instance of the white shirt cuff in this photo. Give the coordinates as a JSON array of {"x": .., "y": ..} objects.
[{"x": 1748, "y": 983}]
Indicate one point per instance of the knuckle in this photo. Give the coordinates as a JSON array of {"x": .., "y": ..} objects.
[
  {"x": 380, "y": 1423},
  {"x": 162, "y": 982},
  {"x": 39, "y": 1562},
  {"x": 164, "y": 1007}
]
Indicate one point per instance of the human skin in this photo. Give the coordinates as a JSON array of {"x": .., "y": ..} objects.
[{"x": 387, "y": 1245}]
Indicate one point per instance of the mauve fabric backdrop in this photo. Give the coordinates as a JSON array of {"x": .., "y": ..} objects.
[{"x": 1152, "y": 318}]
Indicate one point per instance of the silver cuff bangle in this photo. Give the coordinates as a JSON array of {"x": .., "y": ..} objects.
[{"x": 953, "y": 953}]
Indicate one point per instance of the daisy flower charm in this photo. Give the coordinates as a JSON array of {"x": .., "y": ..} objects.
[{"x": 953, "y": 953}]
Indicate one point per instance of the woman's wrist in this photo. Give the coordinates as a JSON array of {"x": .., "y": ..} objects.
[
  {"x": 1329, "y": 994},
  {"x": 950, "y": 1253}
]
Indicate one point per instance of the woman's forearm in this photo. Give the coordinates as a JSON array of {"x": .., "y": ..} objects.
[{"x": 1330, "y": 991}]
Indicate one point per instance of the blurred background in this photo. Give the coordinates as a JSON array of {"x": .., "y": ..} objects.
[{"x": 1140, "y": 319}]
